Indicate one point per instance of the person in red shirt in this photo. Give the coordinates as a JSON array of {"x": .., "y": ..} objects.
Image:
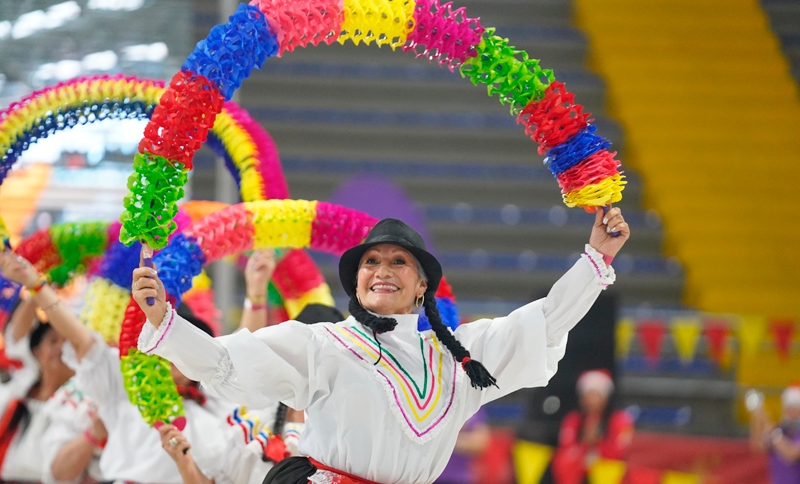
[{"x": 593, "y": 432}]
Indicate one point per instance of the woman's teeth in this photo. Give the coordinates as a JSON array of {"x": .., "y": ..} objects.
[{"x": 385, "y": 287}]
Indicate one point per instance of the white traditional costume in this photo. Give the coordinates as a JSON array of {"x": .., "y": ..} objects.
[
  {"x": 24, "y": 420},
  {"x": 133, "y": 451},
  {"x": 70, "y": 413}
]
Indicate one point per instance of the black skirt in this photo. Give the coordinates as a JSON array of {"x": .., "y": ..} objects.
[{"x": 292, "y": 470}]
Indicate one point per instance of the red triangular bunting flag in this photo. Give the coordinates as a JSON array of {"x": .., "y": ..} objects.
[
  {"x": 782, "y": 330},
  {"x": 717, "y": 334},
  {"x": 651, "y": 334}
]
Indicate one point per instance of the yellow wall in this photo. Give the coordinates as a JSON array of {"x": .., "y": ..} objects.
[{"x": 712, "y": 120}]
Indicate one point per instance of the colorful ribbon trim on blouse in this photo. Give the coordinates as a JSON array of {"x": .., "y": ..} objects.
[
  {"x": 586, "y": 171},
  {"x": 395, "y": 381},
  {"x": 251, "y": 426}
]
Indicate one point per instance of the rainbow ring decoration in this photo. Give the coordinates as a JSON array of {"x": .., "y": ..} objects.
[
  {"x": 247, "y": 148},
  {"x": 587, "y": 172},
  {"x": 107, "y": 298},
  {"x": 250, "y": 155}
]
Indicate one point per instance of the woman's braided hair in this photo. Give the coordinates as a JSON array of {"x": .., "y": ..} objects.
[
  {"x": 478, "y": 375},
  {"x": 280, "y": 419}
]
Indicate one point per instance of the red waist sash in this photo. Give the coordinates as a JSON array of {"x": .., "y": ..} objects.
[{"x": 345, "y": 477}]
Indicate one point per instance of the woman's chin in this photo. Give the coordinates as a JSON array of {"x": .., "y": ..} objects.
[{"x": 383, "y": 303}]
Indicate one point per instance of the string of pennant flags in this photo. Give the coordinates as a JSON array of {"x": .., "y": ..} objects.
[
  {"x": 531, "y": 460},
  {"x": 719, "y": 338}
]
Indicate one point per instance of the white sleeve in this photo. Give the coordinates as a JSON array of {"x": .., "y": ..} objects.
[
  {"x": 573, "y": 294},
  {"x": 241, "y": 463},
  {"x": 522, "y": 350},
  {"x": 69, "y": 413},
  {"x": 254, "y": 369},
  {"x": 21, "y": 382},
  {"x": 59, "y": 433},
  {"x": 98, "y": 373},
  {"x": 20, "y": 349}
]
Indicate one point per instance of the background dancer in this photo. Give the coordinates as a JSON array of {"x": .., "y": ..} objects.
[
  {"x": 595, "y": 431},
  {"x": 24, "y": 399},
  {"x": 781, "y": 441},
  {"x": 132, "y": 451}
]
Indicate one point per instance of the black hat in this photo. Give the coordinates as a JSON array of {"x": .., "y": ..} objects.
[
  {"x": 395, "y": 232},
  {"x": 319, "y": 313}
]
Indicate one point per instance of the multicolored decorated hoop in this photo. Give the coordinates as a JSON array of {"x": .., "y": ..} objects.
[{"x": 587, "y": 172}]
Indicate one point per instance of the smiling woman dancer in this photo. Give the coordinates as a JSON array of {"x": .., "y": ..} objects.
[{"x": 384, "y": 403}]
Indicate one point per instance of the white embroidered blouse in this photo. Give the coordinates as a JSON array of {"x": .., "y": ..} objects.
[
  {"x": 397, "y": 421},
  {"x": 133, "y": 451},
  {"x": 247, "y": 437}
]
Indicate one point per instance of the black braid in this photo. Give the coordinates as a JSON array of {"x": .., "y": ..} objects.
[
  {"x": 479, "y": 376},
  {"x": 280, "y": 419},
  {"x": 375, "y": 323}
]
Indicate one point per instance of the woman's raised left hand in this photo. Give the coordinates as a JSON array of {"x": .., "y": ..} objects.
[{"x": 606, "y": 224}]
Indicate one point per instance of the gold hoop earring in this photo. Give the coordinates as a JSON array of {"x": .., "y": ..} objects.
[{"x": 419, "y": 301}]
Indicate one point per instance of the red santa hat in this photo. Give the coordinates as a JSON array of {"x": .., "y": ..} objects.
[
  {"x": 791, "y": 396},
  {"x": 599, "y": 380}
]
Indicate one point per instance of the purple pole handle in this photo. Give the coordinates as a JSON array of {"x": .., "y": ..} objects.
[
  {"x": 606, "y": 208},
  {"x": 147, "y": 259}
]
